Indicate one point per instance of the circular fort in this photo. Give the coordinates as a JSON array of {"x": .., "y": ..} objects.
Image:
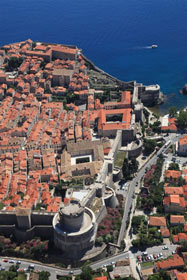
[{"x": 74, "y": 229}]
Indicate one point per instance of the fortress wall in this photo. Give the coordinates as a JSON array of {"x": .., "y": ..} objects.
[
  {"x": 101, "y": 214},
  {"x": 123, "y": 84},
  {"x": 7, "y": 230},
  {"x": 45, "y": 232},
  {"x": 135, "y": 152},
  {"x": 88, "y": 199},
  {"x": 127, "y": 136},
  {"x": 41, "y": 218},
  {"x": 7, "y": 218}
]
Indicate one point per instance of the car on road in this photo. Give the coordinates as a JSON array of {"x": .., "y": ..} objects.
[
  {"x": 5, "y": 260},
  {"x": 31, "y": 266},
  {"x": 71, "y": 272},
  {"x": 2, "y": 268},
  {"x": 165, "y": 248},
  {"x": 18, "y": 262},
  {"x": 11, "y": 261},
  {"x": 113, "y": 263}
]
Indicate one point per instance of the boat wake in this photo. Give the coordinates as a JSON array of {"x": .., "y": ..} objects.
[{"x": 141, "y": 48}]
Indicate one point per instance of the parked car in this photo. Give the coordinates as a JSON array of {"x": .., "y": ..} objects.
[
  {"x": 31, "y": 266},
  {"x": 155, "y": 256},
  {"x": 139, "y": 258},
  {"x": 161, "y": 255},
  {"x": 165, "y": 248}
]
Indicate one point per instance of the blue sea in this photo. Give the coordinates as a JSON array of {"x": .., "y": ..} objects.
[{"x": 114, "y": 34}]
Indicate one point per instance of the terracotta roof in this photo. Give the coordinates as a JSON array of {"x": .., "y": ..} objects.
[
  {"x": 100, "y": 278},
  {"x": 181, "y": 276},
  {"x": 173, "y": 190},
  {"x": 176, "y": 219},
  {"x": 157, "y": 221},
  {"x": 165, "y": 232},
  {"x": 183, "y": 140},
  {"x": 175, "y": 261},
  {"x": 173, "y": 174}
]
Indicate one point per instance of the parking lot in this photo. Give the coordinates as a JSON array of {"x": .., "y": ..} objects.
[{"x": 164, "y": 253}]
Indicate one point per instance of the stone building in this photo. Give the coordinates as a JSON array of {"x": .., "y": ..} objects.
[{"x": 74, "y": 229}]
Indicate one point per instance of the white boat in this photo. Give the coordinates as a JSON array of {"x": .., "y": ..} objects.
[{"x": 154, "y": 46}]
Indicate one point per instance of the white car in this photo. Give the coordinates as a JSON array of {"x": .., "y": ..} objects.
[
  {"x": 173, "y": 252},
  {"x": 165, "y": 248}
]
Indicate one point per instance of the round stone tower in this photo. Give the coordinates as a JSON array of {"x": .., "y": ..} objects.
[
  {"x": 71, "y": 217},
  {"x": 74, "y": 230}
]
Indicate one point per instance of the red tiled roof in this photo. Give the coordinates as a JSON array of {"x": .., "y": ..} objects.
[
  {"x": 165, "y": 232},
  {"x": 157, "y": 221},
  {"x": 177, "y": 219},
  {"x": 175, "y": 261},
  {"x": 181, "y": 276}
]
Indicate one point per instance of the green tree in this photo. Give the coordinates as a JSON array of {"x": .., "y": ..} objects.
[
  {"x": 172, "y": 111},
  {"x": 108, "y": 238},
  {"x": 184, "y": 246},
  {"x": 99, "y": 241},
  {"x": 182, "y": 119},
  {"x": 133, "y": 165},
  {"x": 125, "y": 169},
  {"x": 13, "y": 63},
  {"x": 44, "y": 275},
  {"x": 86, "y": 273},
  {"x": 162, "y": 275},
  {"x": 109, "y": 268},
  {"x": 149, "y": 146},
  {"x": 174, "y": 166}
]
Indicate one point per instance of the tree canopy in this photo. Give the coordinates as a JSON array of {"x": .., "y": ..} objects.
[
  {"x": 182, "y": 119},
  {"x": 172, "y": 111},
  {"x": 149, "y": 146},
  {"x": 86, "y": 273}
]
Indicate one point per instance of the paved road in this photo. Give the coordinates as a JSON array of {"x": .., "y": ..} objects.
[{"x": 56, "y": 271}]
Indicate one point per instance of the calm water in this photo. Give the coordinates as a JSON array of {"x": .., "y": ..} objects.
[{"x": 113, "y": 33}]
